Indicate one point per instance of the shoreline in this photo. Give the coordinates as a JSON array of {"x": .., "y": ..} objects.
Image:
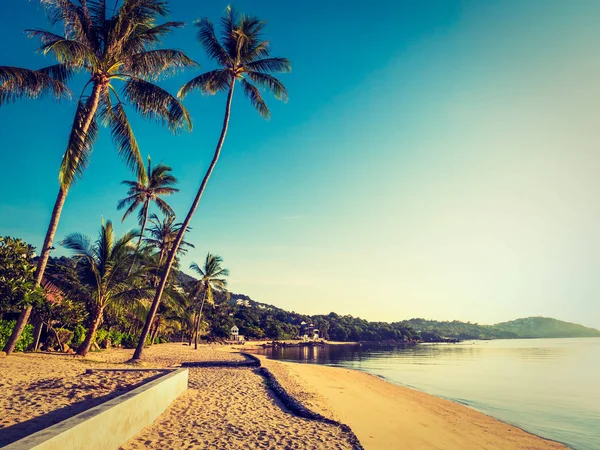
[{"x": 382, "y": 413}]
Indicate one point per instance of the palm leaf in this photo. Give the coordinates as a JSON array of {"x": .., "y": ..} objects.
[
  {"x": 17, "y": 83},
  {"x": 271, "y": 83},
  {"x": 207, "y": 38},
  {"x": 256, "y": 99},
  {"x": 80, "y": 144},
  {"x": 153, "y": 102},
  {"x": 207, "y": 83},
  {"x": 156, "y": 63}
]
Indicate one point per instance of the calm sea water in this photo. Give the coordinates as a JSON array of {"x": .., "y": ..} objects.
[{"x": 550, "y": 387}]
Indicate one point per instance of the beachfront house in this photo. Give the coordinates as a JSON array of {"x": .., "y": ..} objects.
[{"x": 234, "y": 334}]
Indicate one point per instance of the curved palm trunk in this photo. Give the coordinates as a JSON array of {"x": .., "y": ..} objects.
[
  {"x": 52, "y": 226},
  {"x": 137, "y": 247},
  {"x": 84, "y": 349},
  {"x": 197, "y": 331},
  {"x": 191, "y": 329},
  {"x": 186, "y": 222}
]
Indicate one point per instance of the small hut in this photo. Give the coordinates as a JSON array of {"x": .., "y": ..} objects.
[{"x": 234, "y": 334}]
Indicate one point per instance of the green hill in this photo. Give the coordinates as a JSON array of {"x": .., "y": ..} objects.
[
  {"x": 261, "y": 320},
  {"x": 545, "y": 327}
]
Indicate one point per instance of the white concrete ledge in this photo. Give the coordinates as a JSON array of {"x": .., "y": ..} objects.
[{"x": 111, "y": 424}]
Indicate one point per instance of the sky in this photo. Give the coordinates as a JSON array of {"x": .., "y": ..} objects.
[{"x": 436, "y": 159}]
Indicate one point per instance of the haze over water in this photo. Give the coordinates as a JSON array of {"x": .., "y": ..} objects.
[{"x": 546, "y": 386}]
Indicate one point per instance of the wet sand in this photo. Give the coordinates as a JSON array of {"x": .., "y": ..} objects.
[{"x": 387, "y": 416}]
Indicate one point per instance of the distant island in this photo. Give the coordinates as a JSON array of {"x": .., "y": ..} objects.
[{"x": 257, "y": 320}]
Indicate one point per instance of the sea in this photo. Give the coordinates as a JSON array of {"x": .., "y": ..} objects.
[{"x": 549, "y": 387}]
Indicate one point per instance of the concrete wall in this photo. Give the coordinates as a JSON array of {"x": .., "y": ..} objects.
[{"x": 111, "y": 424}]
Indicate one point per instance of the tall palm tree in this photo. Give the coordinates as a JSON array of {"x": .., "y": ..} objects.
[
  {"x": 107, "y": 46},
  {"x": 212, "y": 278},
  {"x": 242, "y": 56},
  {"x": 143, "y": 192},
  {"x": 103, "y": 274}
]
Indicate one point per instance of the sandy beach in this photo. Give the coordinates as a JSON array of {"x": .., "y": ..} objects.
[
  {"x": 233, "y": 408},
  {"x": 385, "y": 416}
]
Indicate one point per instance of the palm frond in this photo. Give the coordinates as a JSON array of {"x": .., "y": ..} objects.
[
  {"x": 207, "y": 83},
  {"x": 207, "y": 38},
  {"x": 269, "y": 65},
  {"x": 256, "y": 99},
  {"x": 153, "y": 102},
  {"x": 80, "y": 244},
  {"x": 271, "y": 83},
  {"x": 17, "y": 83},
  {"x": 164, "y": 207},
  {"x": 80, "y": 143},
  {"x": 196, "y": 268},
  {"x": 124, "y": 139},
  {"x": 154, "y": 64}
]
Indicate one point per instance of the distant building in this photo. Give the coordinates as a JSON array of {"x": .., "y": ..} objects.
[
  {"x": 308, "y": 332},
  {"x": 234, "y": 334}
]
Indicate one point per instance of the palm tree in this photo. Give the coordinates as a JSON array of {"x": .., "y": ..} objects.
[
  {"x": 242, "y": 56},
  {"x": 142, "y": 192},
  {"x": 212, "y": 278},
  {"x": 107, "y": 47},
  {"x": 162, "y": 235},
  {"x": 103, "y": 276}
]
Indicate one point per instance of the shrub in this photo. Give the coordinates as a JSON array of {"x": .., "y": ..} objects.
[
  {"x": 116, "y": 338},
  {"x": 129, "y": 340},
  {"x": 102, "y": 337},
  {"x": 6, "y": 327},
  {"x": 78, "y": 336}
]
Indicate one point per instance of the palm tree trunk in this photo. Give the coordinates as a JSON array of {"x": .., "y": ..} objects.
[
  {"x": 198, "y": 322},
  {"x": 52, "y": 226},
  {"x": 137, "y": 247},
  {"x": 192, "y": 329},
  {"x": 37, "y": 333},
  {"x": 84, "y": 349},
  {"x": 182, "y": 230}
]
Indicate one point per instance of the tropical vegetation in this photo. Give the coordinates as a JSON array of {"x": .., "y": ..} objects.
[
  {"x": 106, "y": 45},
  {"x": 243, "y": 56}
]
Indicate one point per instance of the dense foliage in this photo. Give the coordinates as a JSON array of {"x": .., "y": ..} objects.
[
  {"x": 6, "y": 327},
  {"x": 16, "y": 274}
]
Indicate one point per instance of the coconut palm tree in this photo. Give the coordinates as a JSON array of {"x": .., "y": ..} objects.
[
  {"x": 142, "y": 193},
  {"x": 103, "y": 275},
  {"x": 242, "y": 57},
  {"x": 212, "y": 278},
  {"x": 108, "y": 46}
]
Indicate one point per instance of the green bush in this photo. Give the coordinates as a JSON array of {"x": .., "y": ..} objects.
[
  {"x": 6, "y": 327},
  {"x": 116, "y": 338},
  {"x": 129, "y": 340},
  {"x": 102, "y": 337},
  {"x": 78, "y": 336}
]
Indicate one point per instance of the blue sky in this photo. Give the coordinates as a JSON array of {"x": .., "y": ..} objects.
[{"x": 436, "y": 159}]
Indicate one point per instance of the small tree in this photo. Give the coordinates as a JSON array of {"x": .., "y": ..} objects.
[
  {"x": 103, "y": 275},
  {"x": 17, "y": 281},
  {"x": 212, "y": 279}
]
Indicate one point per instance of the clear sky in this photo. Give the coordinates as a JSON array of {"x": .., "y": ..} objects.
[{"x": 436, "y": 159}]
